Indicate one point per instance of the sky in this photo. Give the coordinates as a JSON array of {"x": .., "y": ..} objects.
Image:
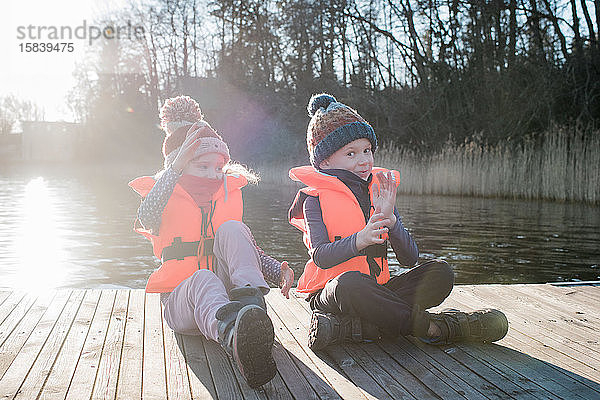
[{"x": 44, "y": 78}]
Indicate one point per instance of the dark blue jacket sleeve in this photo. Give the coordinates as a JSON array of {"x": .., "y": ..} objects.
[{"x": 402, "y": 243}]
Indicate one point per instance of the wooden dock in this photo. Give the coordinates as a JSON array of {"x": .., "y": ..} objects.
[{"x": 89, "y": 344}]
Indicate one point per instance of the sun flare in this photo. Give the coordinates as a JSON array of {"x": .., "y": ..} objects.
[{"x": 40, "y": 249}]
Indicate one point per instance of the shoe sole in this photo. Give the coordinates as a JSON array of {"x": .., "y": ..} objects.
[{"x": 253, "y": 345}]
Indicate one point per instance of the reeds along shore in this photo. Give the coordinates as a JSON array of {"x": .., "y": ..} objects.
[{"x": 559, "y": 165}]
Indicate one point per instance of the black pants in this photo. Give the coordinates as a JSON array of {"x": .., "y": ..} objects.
[{"x": 398, "y": 306}]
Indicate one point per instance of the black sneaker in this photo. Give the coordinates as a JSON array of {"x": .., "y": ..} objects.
[
  {"x": 327, "y": 329},
  {"x": 246, "y": 333},
  {"x": 482, "y": 326}
]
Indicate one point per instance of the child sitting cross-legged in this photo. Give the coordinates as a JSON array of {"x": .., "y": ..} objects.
[{"x": 347, "y": 215}]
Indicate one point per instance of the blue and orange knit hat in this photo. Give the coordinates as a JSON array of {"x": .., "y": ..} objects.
[{"x": 332, "y": 126}]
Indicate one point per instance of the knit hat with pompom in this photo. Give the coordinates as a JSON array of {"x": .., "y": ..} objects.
[
  {"x": 332, "y": 126},
  {"x": 177, "y": 115}
]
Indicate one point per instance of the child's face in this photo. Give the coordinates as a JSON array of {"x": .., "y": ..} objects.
[
  {"x": 208, "y": 165},
  {"x": 355, "y": 157}
]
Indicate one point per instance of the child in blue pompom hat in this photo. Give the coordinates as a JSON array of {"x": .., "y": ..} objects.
[{"x": 347, "y": 215}]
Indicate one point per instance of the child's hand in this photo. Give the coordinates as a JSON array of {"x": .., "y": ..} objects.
[
  {"x": 287, "y": 279},
  {"x": 384, "y": 197},
  {"x": 189, "y": 145},
  {"x": 371, "y": 233}
]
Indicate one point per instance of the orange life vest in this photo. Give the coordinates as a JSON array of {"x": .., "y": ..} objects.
[
  {"x": 342, "y": 217},
  {"x": 184, "y": 241}
]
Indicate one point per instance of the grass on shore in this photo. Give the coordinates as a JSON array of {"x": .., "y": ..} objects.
[{"x": 560, "y": 165}]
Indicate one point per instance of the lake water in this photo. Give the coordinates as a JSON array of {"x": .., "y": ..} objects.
[{"x": 73, "y": 228}]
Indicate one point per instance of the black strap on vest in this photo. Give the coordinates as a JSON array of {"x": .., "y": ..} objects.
[
  {"x": 376, "y": 250},
  {"x": 373, "y": 251},
  {"x": 178, "y": 249}
]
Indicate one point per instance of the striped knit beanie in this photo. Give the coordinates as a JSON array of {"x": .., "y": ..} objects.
[
  {"x": 177, "y": 115},
  {"x": 332, "y": 126}
]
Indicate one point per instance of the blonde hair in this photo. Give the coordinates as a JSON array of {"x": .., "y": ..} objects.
[{"x": 233, "y": 167}]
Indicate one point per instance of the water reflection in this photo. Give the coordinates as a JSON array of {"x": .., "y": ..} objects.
[
  {"x": 75, "y": 229},
  {"x": 38, "y": 245},
  {"x": 485, "y": 240}
]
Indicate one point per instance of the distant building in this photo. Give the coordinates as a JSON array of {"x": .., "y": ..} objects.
[
  {"x": 49, "y": 141},
  {"x": 10, "y": 147}
]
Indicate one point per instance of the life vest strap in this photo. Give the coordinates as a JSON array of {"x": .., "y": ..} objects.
[
  {"x": 375, "y": 250},
  {"x": 179, "y": 249}
]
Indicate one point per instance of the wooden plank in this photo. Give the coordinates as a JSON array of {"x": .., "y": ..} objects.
[
  {"x": 247, "y": 392},
  {"x": 521, "y": 323},
  {"x": 16, "y": 337},
  {"x": 129, "y": 385},
  {"x": 557, "y": 299},
  {"x": 542, "y": 373},
  {"x": 380, "y": 375},
  {"x": 424, "y": 378},
  {"x": 201, "y": 382},
  {"x": 153, "y": 368},
  {"x": 296, "y": 320},
  {"x": 289, "y": 375},
  {"x": 343, "y": 360},
  {"x": 592, "y": 292},
  {"x": 414, "y": 386},
  {"x": 429, "y": 372},
  {"x": 105, "y": 386},
  {"x": 16, "y": 308},
  {"x": 82, "y": 384},
  {"x": 9, "y": 305},
  {"x": 275, "y": 388},
  {"x": 511, "y": 383},
  {"x": 571, "y": 291},
  {"x": 178, "y": 383},
  {"x": 301, "y": 363},
  {"x": 221, "y": 370},
  {"x": 463, "y": 381},
  {"x": 229, "y": 383},
  {"x": 58, "y": 381},
  {"x": 4, "y": 295},
  {"x": 465, "y": 373},
  {"x": 560, "y": 322},
  {"x": 45, "y": 360},
  {"x": 19, "y": 368},
  {"x": 526, "y": 345},
  {"x": 519, "y": 310},
  {"x": 530, "y": 347}
]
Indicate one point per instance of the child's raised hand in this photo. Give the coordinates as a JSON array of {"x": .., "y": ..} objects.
[
  {"x": 189, "y": 145},
  {"x": 287, "y": 279},
  {"x": 371, "y": 233},
  {"x": 384, "y": 196}
]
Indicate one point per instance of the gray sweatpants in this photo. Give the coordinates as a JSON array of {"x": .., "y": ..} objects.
[{"x": 190, "y": 309}]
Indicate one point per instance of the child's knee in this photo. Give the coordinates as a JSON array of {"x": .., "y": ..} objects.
[
  {"x": 202, "y": 276},
  {"x": 232, "y": 228},
  {"x": 445, "y": 274},
  {"x": 349, "y": 283}
]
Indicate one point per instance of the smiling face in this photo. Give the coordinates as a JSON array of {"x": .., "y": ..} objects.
[
  {"x": 355, "y": 157},
  {"x": 209, "y": 165}
]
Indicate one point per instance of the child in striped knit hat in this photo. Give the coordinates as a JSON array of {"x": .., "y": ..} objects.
[
  {"x": 213, "y": 276},
  {"x": 348, "y": 216}
]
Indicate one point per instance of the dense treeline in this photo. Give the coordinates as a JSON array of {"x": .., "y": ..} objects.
[{"x": 423, "y": 72}]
